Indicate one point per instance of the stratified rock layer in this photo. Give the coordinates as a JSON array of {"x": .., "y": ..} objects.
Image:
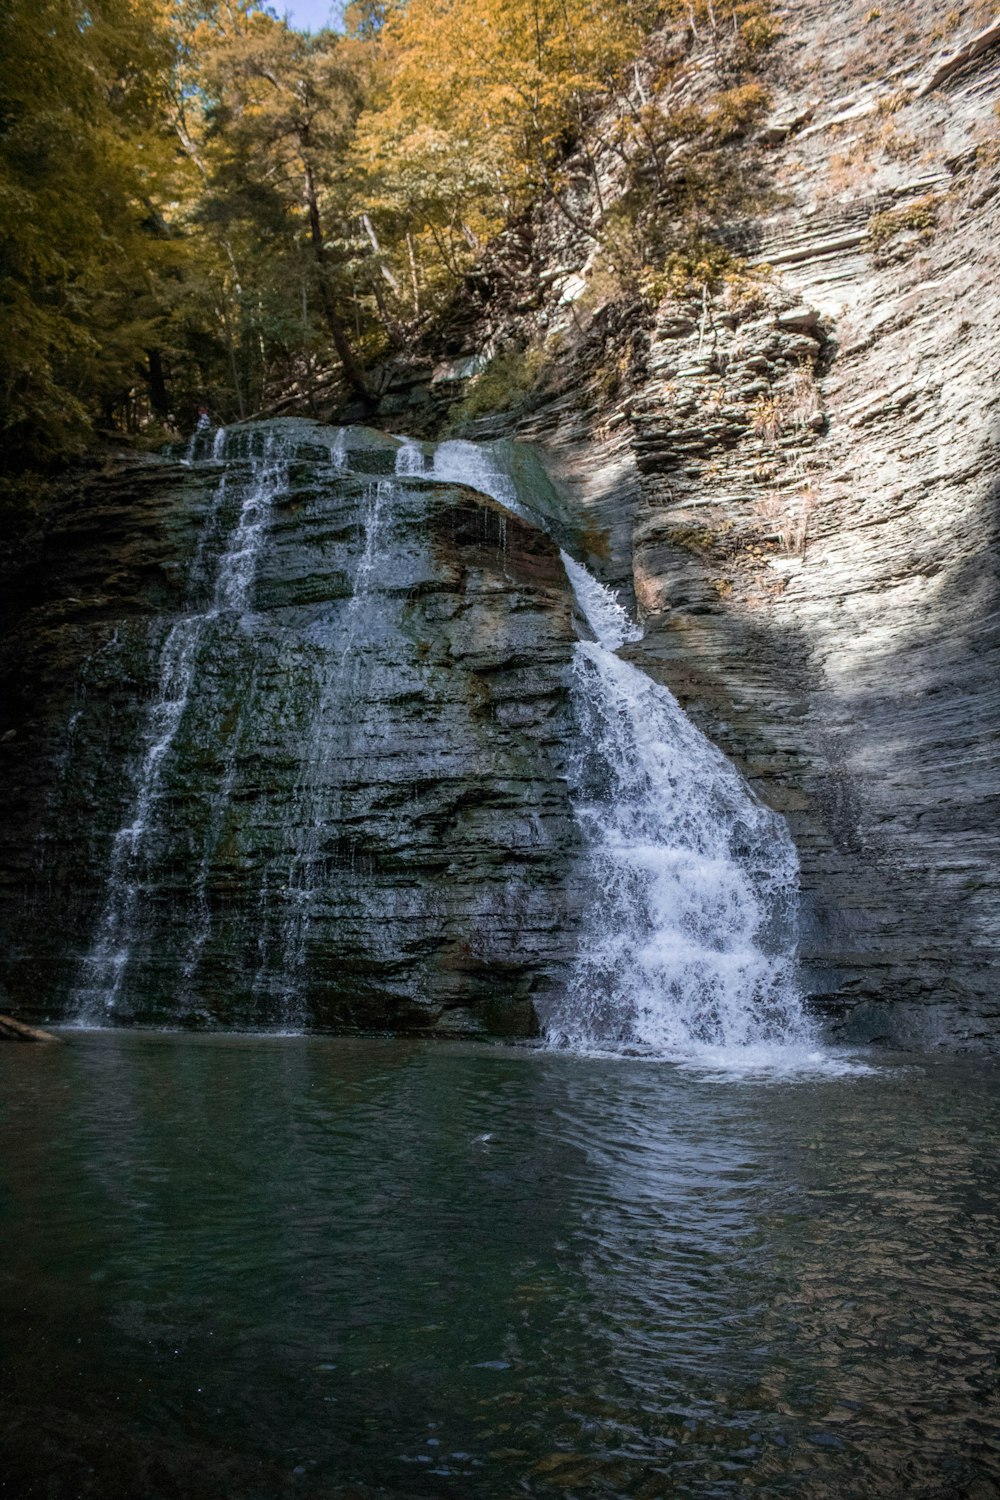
[
  {"x": 362, "y": 818},
  {"x": 802, "y": 487}
]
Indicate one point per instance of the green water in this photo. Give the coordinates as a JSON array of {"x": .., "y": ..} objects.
[{"x": 240, "y": 1267}]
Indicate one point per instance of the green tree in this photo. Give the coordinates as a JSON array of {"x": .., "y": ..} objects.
[
  {"x": 84, "y": 163},
  {"x": 275, "y": 113}
]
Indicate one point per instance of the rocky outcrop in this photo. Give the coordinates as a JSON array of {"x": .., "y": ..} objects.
[
  {"x": 333, "y": 794},
  {"x": 844, "y": 464},
  {"x": 802, "y": 488},
  {"x": 795, "y": 479},
  {"x": 796, "y": 476}
]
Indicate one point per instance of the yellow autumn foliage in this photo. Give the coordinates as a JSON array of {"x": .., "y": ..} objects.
[{"x": 477, "y": 99}]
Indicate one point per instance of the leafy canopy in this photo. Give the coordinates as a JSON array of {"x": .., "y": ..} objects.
[{"x": 201, "y": 206}]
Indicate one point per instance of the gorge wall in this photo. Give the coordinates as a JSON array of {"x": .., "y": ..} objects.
[
  {"x": 285, "y": 742},
  {"x": 795, "y": 479},
  {"x": 813, "y": 487},
  {"x": 798, "y": 479}
]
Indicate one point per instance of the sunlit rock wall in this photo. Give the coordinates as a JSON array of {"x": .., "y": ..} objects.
[{"x": 801, "y": 485}]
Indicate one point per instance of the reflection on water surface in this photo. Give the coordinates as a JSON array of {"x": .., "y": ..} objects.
[{"x": 267, "y": 1267}]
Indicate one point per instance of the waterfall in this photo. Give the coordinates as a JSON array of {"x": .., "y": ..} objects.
[
  {"x": 333, "y": 708},
  {"x": 689, "y": 939},
  {"x": 100, "y": 987},
  {"x": 461, "y": 462},
  {"x": 689, "y": 931},
  {"x": 688, "y": 882},
  {"x": 410, "y": 457}
]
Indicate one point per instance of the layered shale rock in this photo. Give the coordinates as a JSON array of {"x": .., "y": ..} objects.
[
  {"x": 284, "y": 745},
  {"x": 801, "y": 487}
]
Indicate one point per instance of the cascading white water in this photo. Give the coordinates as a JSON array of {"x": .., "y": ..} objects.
[
  {"x": 410, "y": 457},
  {"x": 688, "y": 934},
  {"x": 301, "y": 889},
  {"x": 600, "y": 607},
  {"x": 688, "y": 940},
  {"x": 99, "y": 990},
  {"x": 688, "y": 944},
  {"x": 461, "y": 462}
]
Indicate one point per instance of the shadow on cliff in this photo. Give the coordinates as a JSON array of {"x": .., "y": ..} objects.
[{"x": 889, "y": 775}]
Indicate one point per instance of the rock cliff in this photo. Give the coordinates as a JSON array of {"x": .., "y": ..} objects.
[
  {"x": 797, "y": 475},
  {"x": 318, "y": 780},
  {"x": 794, "y": 475},
  {"x": 814, "y": 528}
]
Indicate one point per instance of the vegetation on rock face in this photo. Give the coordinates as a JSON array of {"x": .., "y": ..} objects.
[
  {"x": 918, "y": 218},
  {"x": 205, "y": 208},
  {"x": 504, "y": 385}
]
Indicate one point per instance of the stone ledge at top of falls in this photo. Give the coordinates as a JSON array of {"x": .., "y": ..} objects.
[{"x": 343, "y": 804}]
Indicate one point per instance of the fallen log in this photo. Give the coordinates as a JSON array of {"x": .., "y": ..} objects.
[{"x": 17, "y": 1031}]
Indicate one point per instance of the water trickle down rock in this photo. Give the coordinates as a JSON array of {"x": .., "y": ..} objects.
[
  {"x": 390, "y": 759},
  {"x": 689, "y": 925},
  {"x": 341, "y": 686},
  {"x": 132, "y": 870}
]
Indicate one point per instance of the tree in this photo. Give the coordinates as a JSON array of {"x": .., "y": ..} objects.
[
  {"x": 477, "y": 103},
  {"x": 84, "y": 161},
  {"x": 485, "y": 107},
  {"x": 277, "y": 110}
]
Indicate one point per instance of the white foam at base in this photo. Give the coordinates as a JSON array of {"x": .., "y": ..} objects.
[{"x": 687, "y": 946}]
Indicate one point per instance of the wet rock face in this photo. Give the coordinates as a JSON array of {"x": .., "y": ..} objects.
[
  {"x": 822, "y": 582},
  {"x": 803, "y": 489},
  {"x": 359, "y": 817}
]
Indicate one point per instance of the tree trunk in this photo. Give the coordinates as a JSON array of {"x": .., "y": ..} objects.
[
  {"x": 413, "y": 274},
  {"x": 233, "y": 367},
  {"x": 353, "y": 372},
  {"x": 369, "y": 229},
  {"x": 158, "y": 398}
]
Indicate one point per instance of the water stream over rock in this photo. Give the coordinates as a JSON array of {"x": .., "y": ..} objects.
[
  {"x": 381, "y": 764},
  {"x": 130, "y": 868},
  {"x": 687, "y": 945}
]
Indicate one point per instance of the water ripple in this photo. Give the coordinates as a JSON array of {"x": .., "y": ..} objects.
[{"x": 360, "y": 1268}]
